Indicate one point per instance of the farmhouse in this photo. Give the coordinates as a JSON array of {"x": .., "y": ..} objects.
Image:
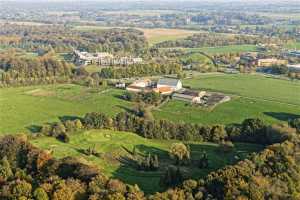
[
  {"x": 189, "y": 96},
  {"x": 173, "y": 84},
  {"x": 140, "y": 86},
  {"x": 270, "y": 61}
]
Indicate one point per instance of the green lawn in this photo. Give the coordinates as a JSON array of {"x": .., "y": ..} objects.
[
  {"x": 116, "y": 147},
  {"x": 272, "y": 100},
  {"x": 25, "y": 107},
  {"x": 293, "y": 45}
]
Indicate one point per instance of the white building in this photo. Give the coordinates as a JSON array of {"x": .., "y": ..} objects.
[
  {"x": 174, "y": 84},
  {"x": 294, "y": 68}
]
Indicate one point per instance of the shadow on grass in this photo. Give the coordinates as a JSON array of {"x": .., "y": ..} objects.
[
  {"x": 282, "y": 116},
  {"x": 67, "y": 117},
  {"x": 148, "y": 181},
  {"x": 119, "y": 96},
  {"x": 131, "y": 111},
  {"x": 34, "y": 128}
]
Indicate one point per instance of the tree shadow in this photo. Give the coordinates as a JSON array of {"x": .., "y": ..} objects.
[
  {"x": 34, "y": 128},
  {"x": 118, "y": 96},
  {"x": 148, "y": 181},
  {"x": 282, "y": 116},
  {"x": 67, "y": 117},
  {"x": 131, "y": 111}
]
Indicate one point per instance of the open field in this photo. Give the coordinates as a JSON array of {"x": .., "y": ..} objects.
[
  {"x": 294, "y": 45},
  {"x": 253, "y": 96},
  {"x": 158, "y": 35},
  {"x": 92, "y": 68},
  {"x": 115, "y": 147},
  {"x": 25, "y": 107}
]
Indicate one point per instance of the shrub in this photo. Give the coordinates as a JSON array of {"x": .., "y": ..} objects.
[{"x": 180, "y": 152}]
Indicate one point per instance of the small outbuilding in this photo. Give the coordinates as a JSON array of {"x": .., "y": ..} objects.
[{"x": 189, "y": 96}]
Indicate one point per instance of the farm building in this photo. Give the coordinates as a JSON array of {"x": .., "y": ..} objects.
[
  {"x": 140, "y": 85},
  {"x": 270, "y": 61},
  {"x": 163, "y": 90},
  {"x": 189, "y": 96},
  {"x": 212, "y": 99},
  {"x": 174, "y": 84},
  {"x": 294, "y": 68},
  {"x": 103, "y": 58}
]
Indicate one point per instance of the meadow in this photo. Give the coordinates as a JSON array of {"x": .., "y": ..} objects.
[
  {"x": 158, "y": 35},
  {"x": 116, "y": 149},
  {"x": 24, "y": 108},
  {"x": 253, "y": 96}
]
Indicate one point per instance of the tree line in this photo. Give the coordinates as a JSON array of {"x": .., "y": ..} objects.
[
  {"x": 215, "y": 40},
  {"x": 249, "y": 131},
  {"x": 140, "y": 70}
]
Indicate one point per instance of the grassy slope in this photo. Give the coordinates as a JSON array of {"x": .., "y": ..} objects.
[
  {"x": 254, "y": 96},
  {"x": 112, "y": 145},
  {"x": 26, "y": 106}
]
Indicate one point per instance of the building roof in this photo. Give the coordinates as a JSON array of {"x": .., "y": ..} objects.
[
  {"x": 190, "y": 93},
  {"x": 165, "y": 89},
  {"x": 168, "y": 81}
]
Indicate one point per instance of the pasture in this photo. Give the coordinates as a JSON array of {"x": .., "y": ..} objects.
[
  {"x": 158, "y": 35},
  {"x": 116, "y": 155},
  {"x": 23, "y": 108},
  {"x": 253, "y": 96}
]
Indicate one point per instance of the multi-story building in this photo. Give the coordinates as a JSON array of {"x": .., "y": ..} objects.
[{"x": 104, "y": 59}]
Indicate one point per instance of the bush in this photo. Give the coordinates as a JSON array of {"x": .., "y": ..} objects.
[
  {"x": 40, "y": 194},
  {"x": 64, "y": 137}
]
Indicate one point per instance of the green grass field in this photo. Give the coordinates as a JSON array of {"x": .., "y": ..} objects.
[
  {"x": 270, "y": 99},
  {"x": 25, "y": 107},
  {"x": 115, "y": 147},
  {"x": 293, "y": 45}
]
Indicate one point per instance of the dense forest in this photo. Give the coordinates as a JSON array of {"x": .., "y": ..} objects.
[
  {"x": 62, "y": 39},
  {"x": 18, "y": 69}
]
